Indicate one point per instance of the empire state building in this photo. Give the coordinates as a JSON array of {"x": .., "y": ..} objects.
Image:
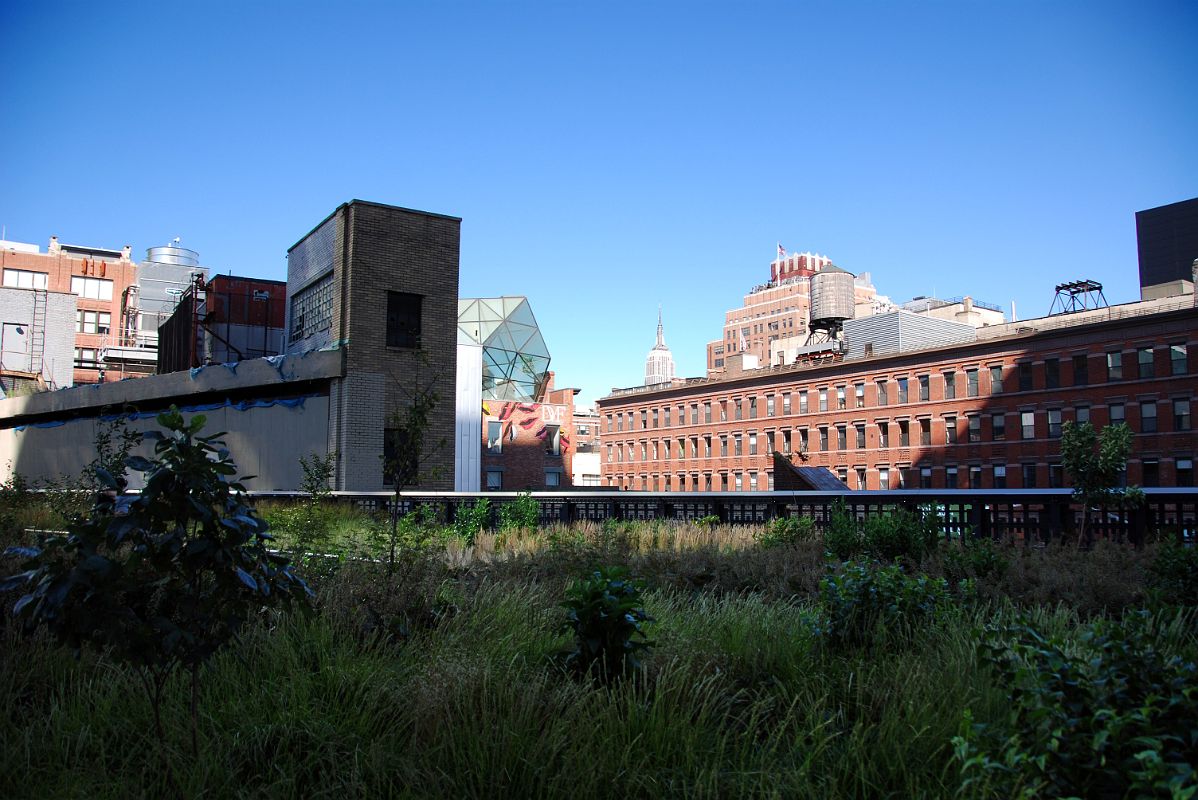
[{"x": 659, "y": 364}]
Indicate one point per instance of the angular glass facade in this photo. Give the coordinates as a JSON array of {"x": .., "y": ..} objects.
[{"x": 515, "y": 358}]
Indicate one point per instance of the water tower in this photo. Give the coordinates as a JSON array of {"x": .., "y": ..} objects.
[{"x": 832, "y": 302}]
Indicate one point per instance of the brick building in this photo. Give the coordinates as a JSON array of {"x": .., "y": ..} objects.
[
  {"x": 529, "y": 445},
  {"x": 984, "y": 413},
  {"x": 100, "y": 279}
]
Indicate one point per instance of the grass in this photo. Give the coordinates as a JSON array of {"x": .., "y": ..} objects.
[{"x": 457, "y": 692}]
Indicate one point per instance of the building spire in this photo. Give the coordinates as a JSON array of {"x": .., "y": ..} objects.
[{"x": 661, "y": 341}]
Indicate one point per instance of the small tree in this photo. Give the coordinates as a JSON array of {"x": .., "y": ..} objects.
[
  {"x": 168, "y": 583},
  {"x": 408, "y": 445},
  {"x": 318, "y": 470},
  {"x": 1095, "y": 462}
]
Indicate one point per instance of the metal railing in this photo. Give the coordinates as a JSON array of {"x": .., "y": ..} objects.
[{"x": 1029, "y": 516}]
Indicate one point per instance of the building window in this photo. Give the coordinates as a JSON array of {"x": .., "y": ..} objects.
[
  {"x": 739, "y": 481},
  {"x": 665, "y": 417},
  {"x": 1081, "y": 414},
  {"x": 1056, "y": 476},
  {"x": 1114, "y": 366},
  {"x": 1052, "y": 373},
  {"x": 737, "y": 445},
  {"x": 91, "y": 288},
  {"x": 1181, "y": 414},
  {"x": 738, "y": 408},
  {"x": 859, "y": 394},
  {"x": 655, "y": 418},
  {"x": 975, "y": 477},
  {"x": 609, "y": 454},
  {"x": 840, "y": 398},
  {"x": 1116, "y": 415},
  {"x": 803, "y": 402},
  {"x": 786, "y": 442},
  {"x": 860, "y": 431},
  {"x": 996, "y": 380},
  {"x": 92, "y": 321},
  {"x": 803, "y": 440},
  {"x": 860, "y": 478},
  {"x": 950, "y": 385},
  {"x": 971, "y": 379},
  {"x": 1054, "y": 423},
  {"x": 1150, "y": 472},
  {"x": 752, "y": 444},
  {"x": 785, "y": 403},
  {"x": 770, "y": 409},
  {"x": 998, "y": 427},
  {"x": 975, "y": 428},
  {"x": 1148, "y": 416},
  {"x": 1027, "y": 422},
  {"x": 752, "y": 481},
  {"x": 752, "y": 408},
  {"x": 925, "y": 432},
  {"x": 925, "y": 477},
  {"x": 925, "y": 388},
  {"x": 902, "y": 390},
  {"x": 695, "y": 414},
  {"x": 883, "y": 394},
  {"x": 904, "y": 433},
  {"x": 553, "y": 443},
  {"x": 707, "y": 447},
  {"x": 823, "y": 399},
  {"x": 841, "y": 438},
  {"x": 1081, "y": 370},
  {"x": 312, "y": 309},
  {"x": 1184, "y": 472},
  {"x": 950, "y": 477},
  {"x": 1144, "y": 361},
  {"x": 495, "y": 438},
  {"x": 1000, "y": 476},
  {"x": 85, "y": 358},
  {"x": 494, "y": 480},
  {"x": 707, "y": 413},
  {"x": 1025, "y": 376},
  {"x": 553, "y": 480},
  {"x": 25, "y": 279},
  {"x": 883, "y": 478},
  {"x": 1177, "y": 359},
  {"x": 723, "y": 447},
  {"x": 883, "y": 434},
  {"x": 950, "y": 430},
  {"x": 1029, "y": 476},
  {"x": 823, "y": 440},
  {"x": 403, "y": 320}
]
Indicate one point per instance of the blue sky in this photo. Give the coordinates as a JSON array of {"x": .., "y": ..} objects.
[{"x": 606, "y": 158}]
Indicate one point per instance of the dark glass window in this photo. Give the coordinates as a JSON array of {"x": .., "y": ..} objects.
[
  {"x": 1052, "y": 373},
  {"x": 1025, "y": 377},
  {"x": 1081, "y": 370},
  {"x": 403, "y": 319}
]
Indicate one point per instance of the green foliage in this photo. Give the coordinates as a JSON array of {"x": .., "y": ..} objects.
[
  {"x": 312, "y": 533},
  {"x": 842, "y": 538},
  {"x": 16, "y": 495},
  {"x": 900, "y": 534},
  {"x": 973, "y": 559},
  {"x": 1173, "y": 576},
  {"x": 710, "y": 521},
  {"x": 860, "y": 600},
  {"x": 471, "y": 519},
  {"x": 1094, "y": 462},
  {"x": 115, "y": 442},
  {"x": 168, "y": 583},
  {"x": 786, "y": 532},
  {"x": 606, "y": 614},
  {"x": 1111, "y": 717},
  {"x": 522, "y": 513}
]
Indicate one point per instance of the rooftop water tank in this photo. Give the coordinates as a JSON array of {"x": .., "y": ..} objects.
[
  {"x": 173, "y": 254},
  {"x": 832, "y": 297}
]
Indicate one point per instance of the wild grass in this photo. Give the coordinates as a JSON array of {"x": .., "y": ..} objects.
[{"x": 439, "y": 677}]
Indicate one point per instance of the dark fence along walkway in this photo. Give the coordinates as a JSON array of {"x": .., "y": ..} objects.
[{"x": 1030, "y": 515}]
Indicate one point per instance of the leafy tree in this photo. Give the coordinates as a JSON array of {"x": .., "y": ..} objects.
[
  {"x": 167, "y": 584},
  {"x": 115, "y": 442},
  {"x": 313, "y": 529},
  {"x": 408, "y": 447},
  {"x": 1095, "y": 462}
]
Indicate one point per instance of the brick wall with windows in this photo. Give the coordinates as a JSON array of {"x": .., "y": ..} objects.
[{"x": 1000, "y": 402}]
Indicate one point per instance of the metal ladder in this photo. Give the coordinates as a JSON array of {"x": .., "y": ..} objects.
[{"x": 37, "y": 332}]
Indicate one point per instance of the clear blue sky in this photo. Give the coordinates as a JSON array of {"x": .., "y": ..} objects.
[{"x": 608, "y": 157}]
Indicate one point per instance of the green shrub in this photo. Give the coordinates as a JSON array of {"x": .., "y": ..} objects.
[
  {"x": 469, "y": 520},
  {"x": 900, "y": 534},
  {"x": 842, "y": 538},
  {"x": 523, "y": 512},
  {"x": 973, "y": 559},
  {"x": 786, "y": 532},
  {"x": 1111, "y": 717},
  {"x": 606, "y": 615},
  {"x": 710, "y": 521},
  {"x": 1173, "y": 576},
  {"x": 859, "y": 598}
]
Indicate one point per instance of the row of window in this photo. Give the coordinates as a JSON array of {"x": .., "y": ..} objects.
[
  {"x": 898, "y": 477},
  {"x": 90, "y": 288},
  {"x": 902, "y": 429},
  {"x": 901, "y": 388}
]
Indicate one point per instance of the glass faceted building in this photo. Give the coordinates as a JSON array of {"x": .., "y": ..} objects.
[{"x": 515, "y": 358}]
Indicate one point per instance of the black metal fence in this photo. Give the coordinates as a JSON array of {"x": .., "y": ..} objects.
[{"x": 1026, "y": 515}]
